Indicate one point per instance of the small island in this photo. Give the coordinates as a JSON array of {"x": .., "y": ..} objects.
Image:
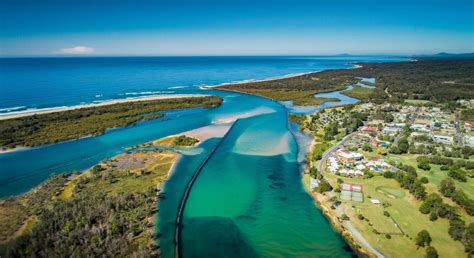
[{"x": 175, "y": 141}]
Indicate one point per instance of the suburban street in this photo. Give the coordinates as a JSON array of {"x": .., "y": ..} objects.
[
  {"x": 412, "y": 120},
  {"x": 334, "y": 148},
  {"x": 457, "y": 124}
]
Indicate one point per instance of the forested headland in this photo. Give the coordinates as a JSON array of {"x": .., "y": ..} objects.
[{"x": 73, "y": 124}]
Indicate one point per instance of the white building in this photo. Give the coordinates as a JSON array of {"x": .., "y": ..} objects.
[{"x": 443, "y": 139}]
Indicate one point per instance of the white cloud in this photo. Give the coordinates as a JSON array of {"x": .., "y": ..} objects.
[{"x": 78, "y": 50}]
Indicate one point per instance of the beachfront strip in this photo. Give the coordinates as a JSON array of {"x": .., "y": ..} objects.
[{"x": 404, "y": 162}]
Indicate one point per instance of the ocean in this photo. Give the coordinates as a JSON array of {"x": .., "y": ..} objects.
[{"x": 248, "y": 201}]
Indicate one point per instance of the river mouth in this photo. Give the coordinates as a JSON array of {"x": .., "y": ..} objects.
[{"x": 248, "y": 200}]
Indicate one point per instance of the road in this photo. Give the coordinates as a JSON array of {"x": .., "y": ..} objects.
[
  {"x": 334, "y": 148},
  {"x": 356, "y": 234},
  {"x": 457, "y": 124}
]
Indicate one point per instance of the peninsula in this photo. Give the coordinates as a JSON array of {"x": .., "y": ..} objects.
[{"x": 77, "y": 122}]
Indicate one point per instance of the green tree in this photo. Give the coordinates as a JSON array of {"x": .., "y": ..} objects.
[
  {"x": 403, "y": 145},
  {"x": 423, "y": 238},
  {"x": 447, "y": 187},
  {"x": 424, "y": 164},
  {"x": 456, "y": 228},
  {"x": 367, "y": 147},
  {"x": 431, "y": 252},
  {"x": 324, "y": 186},
  {"x": 431, "y": 202},
  {"x": 468, "y": 239}
]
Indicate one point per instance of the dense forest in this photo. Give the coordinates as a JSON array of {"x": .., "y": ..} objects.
[
  {"x": 437, "y": 80},
  {"x": 73, "y": 124},
  {"x": 107, "y": 212}
]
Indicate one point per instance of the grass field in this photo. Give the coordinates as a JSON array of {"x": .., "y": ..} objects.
[
  {"x": 390, "y": 191},
  {"x": 133, "y": 173},
  {"x": 403, "y": 210},
  {"x": 435, "y": 175}
]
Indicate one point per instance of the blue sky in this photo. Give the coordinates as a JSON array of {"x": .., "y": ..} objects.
[{"x": 107, "y": 27}]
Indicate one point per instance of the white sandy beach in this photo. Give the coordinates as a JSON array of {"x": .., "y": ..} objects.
[{"x": 24, "y": 113}]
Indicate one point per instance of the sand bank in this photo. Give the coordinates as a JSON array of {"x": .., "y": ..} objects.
[{"x": 210, "y": 131}]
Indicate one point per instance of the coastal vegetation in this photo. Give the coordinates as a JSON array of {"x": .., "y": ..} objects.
[
  {"x": 435, "y": 80},
  {"x": 106, "y": 211},
  {"x": 300, "y": 89},
  {"x": 175, "y": 141},
  {"x": 312, "y": 101},
  {"x": 359, "y": 93},
  {"x": 73, "y": 124}
]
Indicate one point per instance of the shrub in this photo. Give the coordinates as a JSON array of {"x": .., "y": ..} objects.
[
  {"x": 424, "y": 165},
  {"x": 344, "y": 217},
  {"x": 424, "y": 180},
  {"x": 458, "y": 175}
]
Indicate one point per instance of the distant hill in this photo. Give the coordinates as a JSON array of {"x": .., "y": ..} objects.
[{"x": 447, "y": 55}]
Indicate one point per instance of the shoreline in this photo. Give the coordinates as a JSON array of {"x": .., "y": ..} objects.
[
  {"x": 207, "y": 87},
  {"x": 18, "y": 114},
  {"x": 47, "y": 110}
]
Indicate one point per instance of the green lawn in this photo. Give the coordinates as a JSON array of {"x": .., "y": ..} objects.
[{"x": 390, "y": 191}]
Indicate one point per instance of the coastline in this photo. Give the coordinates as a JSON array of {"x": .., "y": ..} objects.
[
  {"x": 34, "y": 111},
  {"x": 293, "y": 75},
  {"x": 25, "y": 113}
]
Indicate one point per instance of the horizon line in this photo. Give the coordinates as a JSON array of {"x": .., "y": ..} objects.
[{"x": 241, "y": 55}]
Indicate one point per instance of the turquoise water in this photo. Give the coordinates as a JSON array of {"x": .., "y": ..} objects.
[{"x": 248, "y": 200}]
